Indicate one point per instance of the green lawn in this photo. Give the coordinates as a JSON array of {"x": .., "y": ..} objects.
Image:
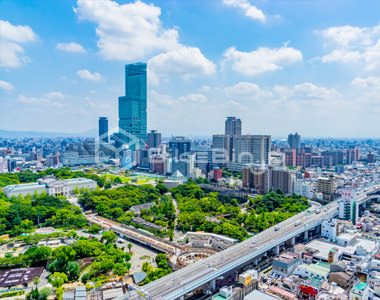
[
  {"x": 123, "y": 179},
  {"x": 140, "y": 180}
]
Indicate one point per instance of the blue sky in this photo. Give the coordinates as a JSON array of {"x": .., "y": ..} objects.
[{"x": 281, "y": 66}]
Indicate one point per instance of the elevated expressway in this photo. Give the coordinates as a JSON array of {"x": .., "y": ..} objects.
[{"x": 186, "y": 280}]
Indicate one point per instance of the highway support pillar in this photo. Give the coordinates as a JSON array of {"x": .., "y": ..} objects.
[
  {"x": 256, "y": 262},
  {"x": 277, "y": 250},
  {"x": 306, "y": 235},
  {"x": 213, "y": 284},
  {"x": 293, "y": 241},
  {"x": 182, "y": 298}
]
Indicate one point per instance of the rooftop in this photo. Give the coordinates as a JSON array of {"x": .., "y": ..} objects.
[
  {"x": 287, "y": 257},
  {"x": 360, "y": 286},
  {"x": 19, "y": 276}
]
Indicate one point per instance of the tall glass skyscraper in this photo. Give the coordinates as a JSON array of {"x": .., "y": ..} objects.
[
  {"x": 133, "y": 106},
  {"x": 103, "y": 129}
]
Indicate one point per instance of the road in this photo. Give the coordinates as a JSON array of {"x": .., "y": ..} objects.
[{"x": 183, "y": 281}]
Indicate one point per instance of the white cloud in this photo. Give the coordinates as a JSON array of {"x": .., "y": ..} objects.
[
  {"x": 274, "y": 110},
  {"x": 354, "y": 44},
  {"x": 369, "y": 82},
  {"x": 250, "y": 10},
  {"x": 261, "y": 60},
  {"x": 127, "y": 31},
  {"x": 31, "y": 100},
  {"x": 12, "y": 37},
  {"x": 367, "y": 88},
  {"x": 341, "y": 55},
  {"x": 6, "y": 85},
  {"x": 197, "y": 98},
  {"x": 247, "y": 89},
  {"x": 71, "y": 47},
  {"x": 306, "y": 91},
  {"x": 134, "y": 31},
  {"x": 54, "y": 95},
  {"x": 184, "y": 61},
  {"x": 87, "y": 75},
  {"x": 52, "y": 99},
  {"x": 348, "y": 35}
]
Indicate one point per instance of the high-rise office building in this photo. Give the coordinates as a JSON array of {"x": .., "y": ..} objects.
[
  {"x": 154, "y": 139},
  {"x": 252, "y": 149},
  {"x": 133, "y": 106},
  {"x": 103, "y": 129},
  {"x": 370, "y": 158},
  {"x": 294, "y": 141},
  {"x": 221, "y": 149},
  {"x": 233, "y": 126},
  {"x": 179, "y": 147}
]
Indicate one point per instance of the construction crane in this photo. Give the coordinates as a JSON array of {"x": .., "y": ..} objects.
[{"x": 146, "y": 145}]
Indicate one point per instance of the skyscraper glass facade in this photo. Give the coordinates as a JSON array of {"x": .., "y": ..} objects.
[
  {"x": 133, "y": 106},
  {"x": 103, "y": 129}
]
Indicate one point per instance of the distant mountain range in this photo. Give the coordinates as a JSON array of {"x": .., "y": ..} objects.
[{"x": 88, "y": 133}]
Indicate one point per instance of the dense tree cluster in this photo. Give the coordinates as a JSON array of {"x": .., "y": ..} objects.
[
  {"x": 207, "y": 213},
  {"x": 154, "y": 274},
  {"x": 113, "y": 203},
  {"x": 163, "y": 213},
  {"x": 194, "y": 207},
  {"x": 22, "y": 214},
  {"x": 272, "y": 208},
  {"x": 63, "y": 173}
]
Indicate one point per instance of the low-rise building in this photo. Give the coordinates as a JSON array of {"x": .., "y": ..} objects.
[
  {"x": 319, "y": 270},
  {"x": 360, "y": 291},
  {"x": 19, "y": 278},
  {"x": 51, "y": 186},
  {"x": 342, "y": 279},
  {"x": 285, "y": 263}
]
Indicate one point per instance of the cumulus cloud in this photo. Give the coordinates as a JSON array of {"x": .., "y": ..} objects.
[
  {"x": 71, "y": 47},
  {"x": 184, "y": 61},
  {"x": 54, "y": 95},
  {"x": 197, "y": 98},
  {"x": 274, "y": 110},
  {"x": 134, "y": 31},
  {"x": 250, "y": 10},
  {"x": 352, "y": 45},
  {"x": 4, "y": 85},
  {"x": 369, "y": 82},
  {"x": 12, "y": 38},
  {"x": 367, "y": 88},
  {"x": 87, "y": 75},
  {"x": 247, "y": 89},
  {"x": 306, "y": 91},
  {"x": 51, "y": 99},
  {"x": 261, "y": 60}
]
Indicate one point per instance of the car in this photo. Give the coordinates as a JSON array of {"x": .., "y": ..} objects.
[
  {"x": 276, "y": 227},
  {"x": 296, "y": 223}
]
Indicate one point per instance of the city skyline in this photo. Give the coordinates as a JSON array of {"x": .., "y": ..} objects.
[{"x": 279, "y": 67}]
